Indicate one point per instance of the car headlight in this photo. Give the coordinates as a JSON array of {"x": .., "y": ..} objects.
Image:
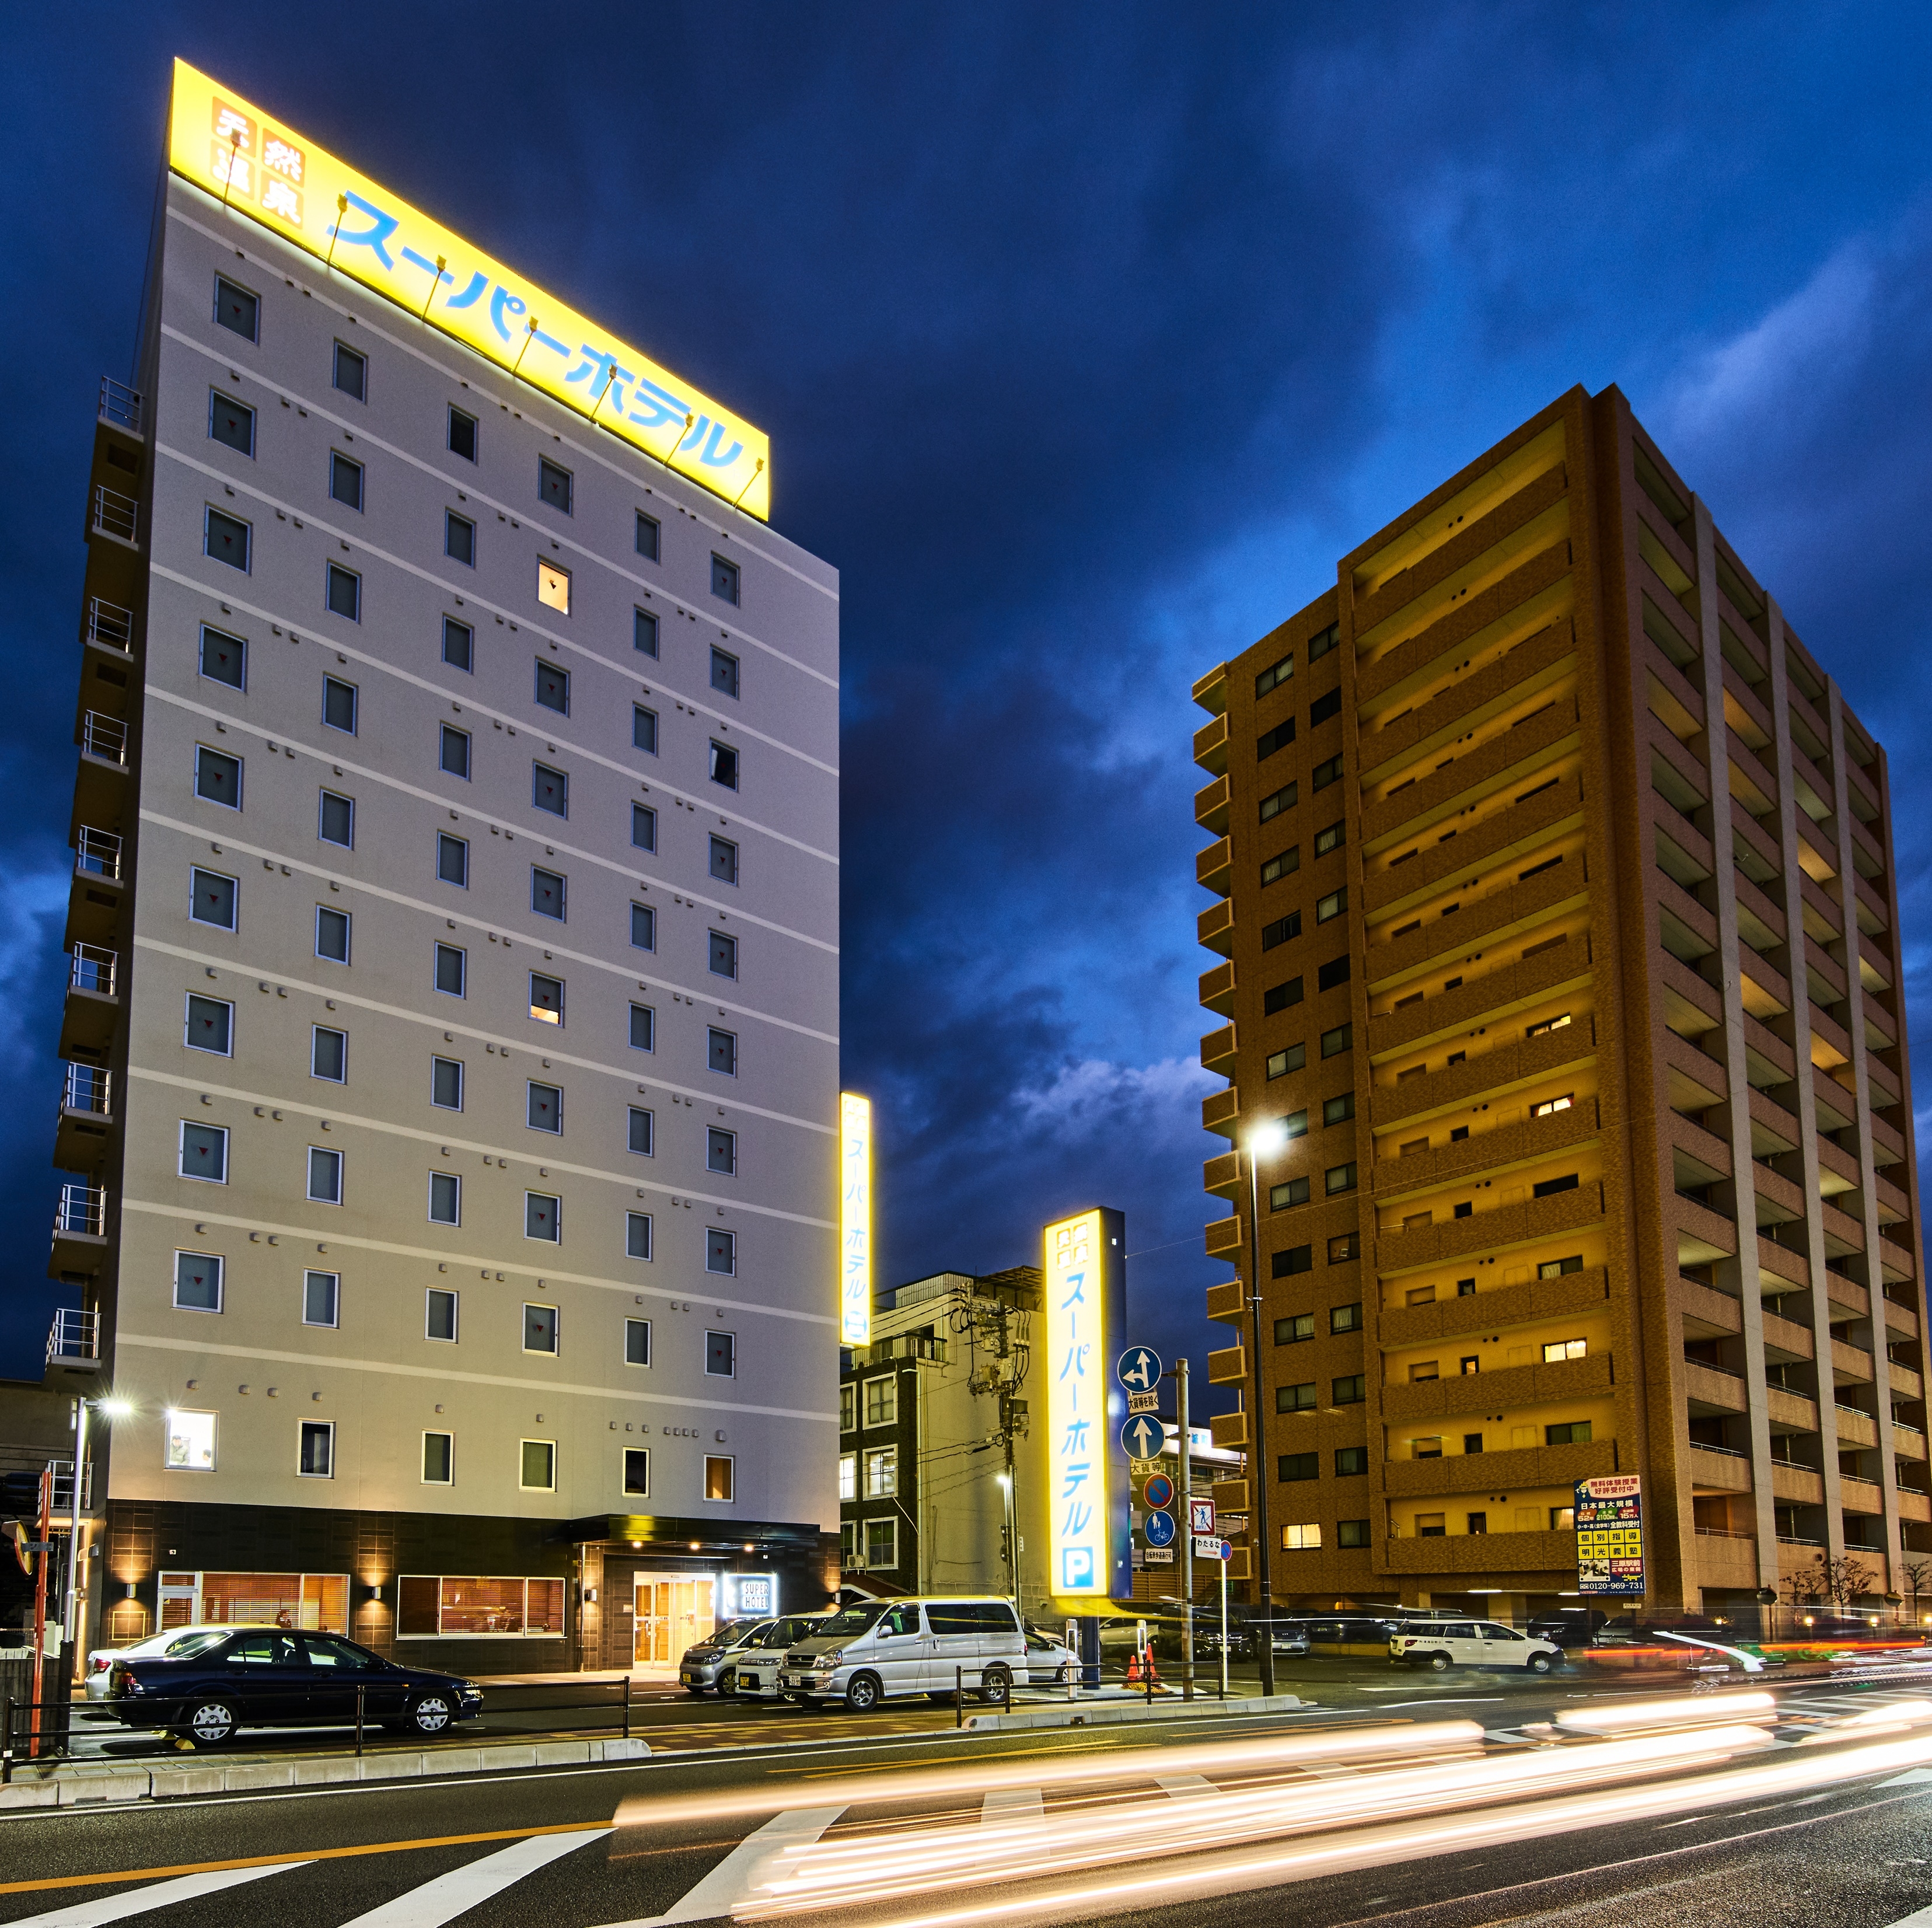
[{"x": 826, "y": 1662}]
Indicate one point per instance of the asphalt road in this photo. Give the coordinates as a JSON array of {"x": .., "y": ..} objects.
[{"x": 495, "y": 1851}]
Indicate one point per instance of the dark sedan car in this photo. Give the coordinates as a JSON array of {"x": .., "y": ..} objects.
[{"x": 269, "y": 1677}]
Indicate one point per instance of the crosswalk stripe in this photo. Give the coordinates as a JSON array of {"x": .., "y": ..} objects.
[
  {"x": 1006, "y": 1812},
  {"x": 1181, "y": 1786},
  {"x": 433, "y": 1902},
  {"x": 736, "y": 1878},
  {"x": 139, "y": 1901}
]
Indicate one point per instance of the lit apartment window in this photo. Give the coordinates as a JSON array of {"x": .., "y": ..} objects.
[
  {"x": 188, "y": 1441},
  {"x": 848, "y": 1476},
  {"x": 720, "y": 1477},
  {"x": 553, "y": 587},
  {"x": 1300, "y": 1539},
  {"x": 1547, "y": 1107},
  {"x": 1545, "y": 1024},
  {"x": 546, "y": 998},
  {"x": 1558, "y": 1350},
  {"x": 882, "y": 1472}
]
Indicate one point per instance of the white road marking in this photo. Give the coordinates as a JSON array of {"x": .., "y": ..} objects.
[
  {"x": 442, "y": 1899},
  {"x": 1183, "y": 1787},
  {"x": 736, "y": 1878},
  {"x": 1919, "y": 1918},
  {"x": 159, "y": 1894}
]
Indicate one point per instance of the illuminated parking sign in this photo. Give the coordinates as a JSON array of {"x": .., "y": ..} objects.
[
  {"x": 855, "y": 1219},
  {"x": 1087, "y": 1489}
]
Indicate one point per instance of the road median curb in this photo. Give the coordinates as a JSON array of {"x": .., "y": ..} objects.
[{"x": 1095, "y": 1713}]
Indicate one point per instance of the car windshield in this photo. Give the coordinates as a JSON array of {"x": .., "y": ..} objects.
[
  {"x": 178, "y": 1646},
  {"x": 730, "y": 1633},
  {"x": 850, "y": 1620}
]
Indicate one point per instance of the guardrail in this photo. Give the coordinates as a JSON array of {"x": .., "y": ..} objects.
[
  {"x": 90, "y": 1088},
  {"x": 81, "y": 1211},
  {"x": 97, "y": 853},
  {"x": 94, "y": 967},
  {"x": 104, "y": 736},
  {"x": 74, "y": 1335},
  {"x": 113, "y": 513},
  {"x": 120, "y": 404},
  {"x": 109, "y": 625}
]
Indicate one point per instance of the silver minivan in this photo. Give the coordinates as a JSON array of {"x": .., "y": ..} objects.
[
  {"x": 880, "y": 1649},
  {"x": 709, "y": 1664},
  {"x": 758, "y": 1662}
]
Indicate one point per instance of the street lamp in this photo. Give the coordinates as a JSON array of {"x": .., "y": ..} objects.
[
  {"x": 1264, "y": 1142},
  {"x": 110, "y": 1406}
]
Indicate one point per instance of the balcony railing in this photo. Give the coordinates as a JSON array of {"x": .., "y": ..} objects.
[
  {"x": 105, "y": 737},
  {"x": 81, "y": 1211},
  {"x": 114, "y": 514},
  {"x": 109, "y": 625},
  {"x": 94, "y": 967},
  {"x": 97, "y": 853},
  {"x": 63, "y": 1498},
  {"x": 1723, "y": 1533},
  {"x": 75, "y": 1336},
  {"x": 120, "y": 404},
  {"x": 89, "y": 1088}
]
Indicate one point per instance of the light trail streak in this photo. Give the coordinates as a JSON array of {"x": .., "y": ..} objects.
[{"x": 1680, "y": 1711}]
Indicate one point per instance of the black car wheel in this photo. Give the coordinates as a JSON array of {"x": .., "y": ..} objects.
[
  {"x": 431, "y": 1714},
  {"x": 209, "y": 1723},
  {"x": 727, "y": 1683},
  {"x": 996, "y": 1687},
  {"x": 864, "y": 1693},
  {"x": 1540, "y": 1663},
  {"x": 1439, "y": 1663}
]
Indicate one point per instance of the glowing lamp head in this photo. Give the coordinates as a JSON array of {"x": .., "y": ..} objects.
[
  {"x": 116, "y": 1409},
  {"x": 1265, "y": 1140}
]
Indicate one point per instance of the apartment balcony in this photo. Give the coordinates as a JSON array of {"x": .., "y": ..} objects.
[
  {"x": 93, "y": 1006},
  {"x": 1214, "y": 867},
  {"x": 99, "y": 789},
  {"x": 86, "y": 1116},
  {"x": 1210, "y": 806},
  {"x": 112, "y": 515},
  {"x": 1217, "y": 989},
  {"x": 1785, "y": 1342},
  {"x": 120, "y": 406},
  {"x": 1851, "y": 1364},
  {"x": 1217, "y": 1051},
  {"x": 1505, "y": 830},
  {"x": 80, "y": 1227},
  {"x": 1221, "y": 1112},
  {"x": 1397, "y": 1178},
  {"x": 1797, "y": 1485},
  {"x": 1860, "y": 1496},
  {"x": 1228, "y": 1430},
  {"x": 1497, "y": 1390},
  {"x": 1228, "y": 1366},
  {"x": 1515, "y": 1470},
  {"x": 1210, "y": 745},
  {"x": 106, "y": 625},
  {"x": 1507, "y": 911},
  {"x": 1907, "y": 1442},
  {"x": 1214, "y": 928},
  {"x": 1725, "y": 1559},
  {"x": 1222, "y": 1176},
  {"x": 1228, "y": 1302},
  {"x": 1500, "y": 1228},
  {"x": 1895, "y": 1263},
  {"x": 1905, "y": 1383},
  {"x": 1855, "y": 1427},
  {"x": 74, "y": 1341},
  {"x": 1914, "y": 1505},
  {"x": 1509, "y": 988},
  {"x": 1714, "y": 1470},
  {"x": 1222, "y": 1237},
  {"x": 1491, "y": 1554},
  {"x": 1211, "y": 691},
  {"x": 1531, "y": 1301},
  {"x": 1789, "y": 1412},
  {"x": 1712, "y": 1392},
  {"x": 1231, "y": 1496},
  {"x": 94, "y": 903}
]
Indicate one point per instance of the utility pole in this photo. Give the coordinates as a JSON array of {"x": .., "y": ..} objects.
[
  {"x": 1186, "y": 1532},
  {"x": 1257, "y": 1470}
]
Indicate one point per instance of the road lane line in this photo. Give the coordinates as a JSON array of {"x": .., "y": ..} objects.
[
  {"x": 1183, "y": 1787},
  {"x": 442, "y": 1899},
  {"x": 139, "y": 1901},
  {"x": 736, "y": 1878}
]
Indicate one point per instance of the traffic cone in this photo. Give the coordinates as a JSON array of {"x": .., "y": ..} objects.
[
  {"x": 1134, "y": 1669},
  {"x": 1153, "y": 1672}
]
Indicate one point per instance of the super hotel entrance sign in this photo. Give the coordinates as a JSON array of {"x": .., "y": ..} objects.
[{"x": 257, "y": 165}]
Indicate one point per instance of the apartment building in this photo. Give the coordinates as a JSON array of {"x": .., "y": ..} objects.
[
  {"x": 452, "y": 1026},
  {"x": 1553, "y": 879}
]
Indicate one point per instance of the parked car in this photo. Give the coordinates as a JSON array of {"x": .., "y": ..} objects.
[
  {"x": 1050, "y": 1661},
  {"x": 889, "y": 1649},
  {"x": 1569, "y": 1626},
  {"x": 751, "y": 1671},
  {"x": 700, "y": 1667},
  {"x": 1442, "y": 1645},
  {"x": 270, "y": 1677},
  {"x": 178, "y": 1643}
]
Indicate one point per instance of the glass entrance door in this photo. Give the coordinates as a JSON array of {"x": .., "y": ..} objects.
[{"x": 672, "y": 1615}]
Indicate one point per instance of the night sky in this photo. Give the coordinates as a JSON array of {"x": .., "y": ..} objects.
[{"x": 1086, "y": 339}]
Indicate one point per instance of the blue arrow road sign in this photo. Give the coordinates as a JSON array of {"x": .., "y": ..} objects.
[
  {"x": 1143, "y": 1436},
  {"x": 1139, "y": 1369},
  {"x": 1158, "y": 1528}
]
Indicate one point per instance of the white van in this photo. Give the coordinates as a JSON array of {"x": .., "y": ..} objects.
[
  {"x": 754, "y": 1674},
  {"x": 882, "y": 1649},
  {"x": 1444, "y": 1644}
]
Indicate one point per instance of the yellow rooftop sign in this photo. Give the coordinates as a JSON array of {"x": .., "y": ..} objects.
[{"x": 259, "y": 166}]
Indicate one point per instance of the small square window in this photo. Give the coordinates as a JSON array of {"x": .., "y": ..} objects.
[
  {"x": 329, "y": 1054},
  {"x": 1339, "y": 1178},
  {"x": 537, "y": 1466},
  {"x": 547, "y": 893},
  {"x": 553, "y": 484},
  {"x": 644, "y": 1028},
  {"x": 210, "y": 1026},
  {"x": 450, "y": 967},
  {"x": 725, "y": 579},
  {"x": 546, "y": 998},
  {"x": 322, "y": 1298},
  {"x": 453, "y": 752},
  {"x": 462, "y": 439},
  {"x": 1333, "y": 905},
  {"x": 642, "y": 1129},
  {"x": 648, "y": 536},
  {"x": 1337, "y": 1110},
  {"x": 445, "y": 1198},
  {"x": 724, "y": 860},
  {"x": 1345, "y": 1318},
  {"x": 345, "y": 593},
  {"x": 324, "y": 1176},
  {"x": 231, "y": 423},
  {"x": 224, "y": 539},
  {"x": 331, "y": 934},
  {"x": 345, "y": 481},
  {"x": 636, "y": 1342},
  {"x": 724, "y": 955},
  {"x": 644, "y": 927},
  {"x": 197, "y": 1281},
  {"x": 438, "y": 1459},
  {"x": 445, "y": 1083},
  {"x": 211, "y": 899},
  {"x": 723, "y": 1057},
  {"x": 637, "y": 1235},
  {"x": 459, "y": 644},
  {"x": 1340, "y": 1039},
  {"x": 459, "y": 538},
  {"x": 721, "y": 1251},
  {"x": 719, "y": 1478},
  {"x": 637, "y": 1471},
  {"x": 1296, "y": 1328},
  {"x": 352, "y": 373},
  {"x": 643, "y": 827},
  {"x": 724, "y": 671},
  {"x": 553, "y": 688},
  {"x": 1351, "y": 1533},
  {"x": 721, "y": 1355},
  {"x": 336, "y": 821},
  {"x": 644, "y": 631},
  {"x": 204, "y": 1152},
  {"x": 1350, "y": 1390},
  {"x": 318, "y": 1449},
  {"x": 237, "y": 310},
  {"x": 338, "y": 704},
  {"x": 543, "y": 1217},
  {"x": 550, "y": 790},
  {"x": 643, "y": 729},
  {"x": 721, "y": 1150},
  {"x": 553, "y": 587},
  {"x": 724, "y": 765},
  {"x": 540, "y": 1329},
  {"x": 1350, "y": 1462},
  {"x": 543, "y": 1107},
  {"x": 223, "y": 658},
  {"x": 440, "y": 1309}
]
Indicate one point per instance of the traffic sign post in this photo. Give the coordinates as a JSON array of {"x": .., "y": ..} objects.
[
  {"x": 1139, "y": 1369},
  {"x": 1209, "y": 1546},
  {"x": 1200, "y": 1515},
  {"x": 1159, "y": 1529},
  {"x": 1142, "y": 1437},
  {"x": 1158, "y": 1492}
]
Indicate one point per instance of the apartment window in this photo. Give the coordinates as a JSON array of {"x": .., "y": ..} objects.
[
  {"x": 1340, "y": 1039},
  {"x": 637, "y": 1235},
  {"x": 724, "y": 765},
  {"x": 546, "y": 998},
  {"x": 204, "y": 1152},
  {"x": 1548, "y": 1188},
  {"x": 724, "y": 860},
  {"x": 237, "y": 310},
  {"x": 439, "y": 1313},
  {"x": 637, "y": 1471},
  {"x": 210, "y": 1026},
  {"x": 1351, "y": 1461},
  {"x": 1335, "y": 972},
  {"x": 1291, "y": 1191},
  {"x": 720, "y": 1252},
  {"x": 197, "y": 1281},
  {"x": 1281, "y": 930},
  {"x": 552, "y": 687},
  {"x": 723, "y": 1057},
  {"x": 452, "y": 860},
  {"x": 317, "y": 1459},
  {"x": 1271, "y": 741},
  {"x": 459, "y": 538},
  {"x": 1324, "y": 707},
  {"x": 725, "y": 579},
  {"x": 536, "y": 1465},
  {"x": 1351, "y": 1533},
  {"x": 345, "y": 480},
  {"x": 721, "y": 1355},
  {"x": 543, "y": 1107},
  {"x": 339, "y": 705},
  {"x": 1558, "y": 1350},
  {"x": 1286, "y": 865},
  {"x": 848, "y": 1471},
  {"x": 644, "y": 927},
  {"x": 848, "y": 1410},
  {"x": 1351, "y": 1390},
  {"x": 1285, "y": 1265},
  {"x": 352, "y": 373},
  {"x": 328, "y": 1054},
  {"x": 550, "y": 790},
  {"x": 1300, "y": 1539},
  {"x": 445, "y": 1083},
  {"x": 223, "y": 658},
  {"x": 445, "y": 1198},
  {"x": 345, "y": 593},
  {"x": 324, "y": 1176},
  {"x": 1331, "y": 906},
  {"x": 331, "y": 934},
  {"x": 459, "y": 644},
  {"x": 553, "y": 485},
  {"x": 1275, "y": 673},
  {"x": 648, "y": 537},
  {"x": 721, "y": 1150},
  {"x": 882, "y": 1544},
  {"x": 643, "y": 827},
  {"x": 882, "y": 1401},
  {"x": 1556, "y": 1268},
  {"x": 451, "y": 963},
  {"x": 1290, "y": 1058},
  {"x": 211, "y": 899},
  {"x": 1295, "y": 1398},
  {"x": 1339, "y": 1178},
  {"x": 322, "y": 1298},
  {"x": 1281, "y": 997},
  {"x": 438, "y": 1459},
  {"x": 540, "y": 1329},
  {"x": 224, "y": 539},
  {"x": 719, "y": 1476},
  {"x": 336, "y": 820},
  {"x": 1284, "y": 799},
  {"x": 1425, "y": 1371},
  {"x": 1295, "y": 1124},
  {"x": 644, "y": 631},
  {"x": 547, "y": 893},
  {"x": 1548, "y": 1108},
  {"x": 217, "y": 778},
  {"x": 641, "y": 1134},
  {"x": 1297, "y": 1327},
  {"x": 1346, "y": 1318},
  {"x": 882, "y": 1472},
  {"x": 231, "y": 423},
  {"x": 1543, "y": 1025},
  {"x": 461, "y": 440},
  {"x": 644, "y": 1028},
  {"x": 636, "y": 1342},
  {"x": 1292, "y": 1466},
  {"x": 1562, "y": 1519},
  {"x": 1338, "y": 1110},
  {"x": 553, "y": 587},
  {"x": 1431, "y": 1526},
  {"x": 1325, "y": 773},
  {"x": 1343, "y": 1246},
  {"x": 1573, "y": 1432},
  {"x": 1319, "y": 646},
  {"x": 543, "y": 1217},
  {"x": 723, "y": 954},
  {"x": 643, "y": 729}
]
